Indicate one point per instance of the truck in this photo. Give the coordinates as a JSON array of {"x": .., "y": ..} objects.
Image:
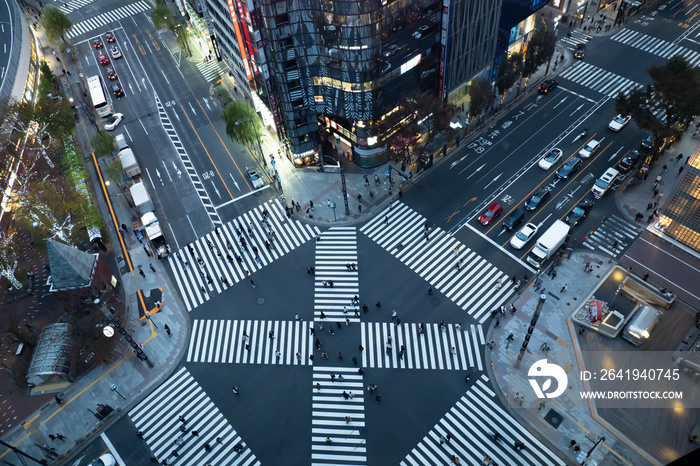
[
  {"x": 129, "y": 164},
  {"x": 548, "y": 244},
  {"x": 151, "y": 227},
  {"x": 142, "y": 200}
]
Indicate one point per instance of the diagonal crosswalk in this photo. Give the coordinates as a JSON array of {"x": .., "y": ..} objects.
[
  {"x": 103, "y": 19},
  {"x": 72, "y": 5},
  {"x": 577, "y": 37},
  {"x": 250, "y": 342},
  {"x": 451, "y": 348},
  {"x": 435, "y": 254},
  {"x": 235, "y": 250},
  {"x": 598, "y": 79},
  {"x": 613, "y": 235},
  {"x": 656, "y": 46},
  {"x": 336, "y": 277},
  {"x": 466, "y": 432},
  {"x": 180, "y": 443},
  {"x": 211, "y": 70},
  {"x": 337, "y": 420}
]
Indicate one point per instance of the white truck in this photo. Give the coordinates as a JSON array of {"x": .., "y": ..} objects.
[
  {"x": 548, "y": 244},
  {"x": 142, "y": 200},
  {"x": 151, "y": 227},
  {"x": 129, "y": 164}
]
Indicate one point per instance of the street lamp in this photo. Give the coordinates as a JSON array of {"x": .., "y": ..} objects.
[
  {"x": 333, "y": 207},
  {"x": 148, "y": 316}
]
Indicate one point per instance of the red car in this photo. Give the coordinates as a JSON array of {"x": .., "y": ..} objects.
[
  {"x": 491, "y": 214},
  {"x": 103, "y": 59}
]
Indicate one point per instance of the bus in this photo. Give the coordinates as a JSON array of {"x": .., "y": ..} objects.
[{"x": 97, "y": 94}]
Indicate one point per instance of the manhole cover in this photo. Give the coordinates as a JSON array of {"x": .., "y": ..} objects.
[
  {"x": 260, "y": 300},
  {"x": 554, "y": 418}
]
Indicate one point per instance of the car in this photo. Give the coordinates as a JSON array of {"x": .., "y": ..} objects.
[
  {"x": 386, "y": 68},
  {"x": 110, "y": 38},
  {"x": 104, "y": 460},
  {"x": 97, "y": 43},
  {"x": 419, "y": 33},
  {"x": 580, "y": 51},
  {"x": 491, "y": 214},
  {"x": 628, "y": 161},
  {"x": 648, "y": 142},
  {"x": 619, "y": 122},
  {"x": 570, "y": 167},
  {"x": 550, "y": 159},
  {"x": 537, "y": 199},
  {"x": 117, "y": 89},
  {"x": 111, "y": 74},
  {"x": 589, "y": 149},
  {"x": 390, "y": 50},
  {"x": 526, "y": 233},
  {"x": 548, "y": 85},
  {"x": 114, "y": 121},
  {"x": 513, "y": 220},
  {"x": 115, "y": 52},
  {"x": 103, "y": 59},
  {"x": 605, "y": 182},
  {"x": 254, "y": 178},
  {"x": 578, "y": 213}
]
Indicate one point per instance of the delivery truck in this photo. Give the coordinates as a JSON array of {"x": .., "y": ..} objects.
[
  {"x": 142, "y": 201},
  {"x": 151, "y": 227},
  {"x": 548, "y": 244},
  {"x": 130, "y": 166}
]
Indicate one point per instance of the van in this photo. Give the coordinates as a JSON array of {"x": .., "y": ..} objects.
[
  {"x": 604, "y": 182},
  {"x": 513, "y": 220},
  {"x": 639, "y": 328}
]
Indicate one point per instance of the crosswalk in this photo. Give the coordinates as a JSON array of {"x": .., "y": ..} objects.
[
  {"x": 72, "y": 5},
  {"x": 470, "y": 425},
  {"x": 209, "y": 265},
  {"x": 598, "y": 79},
  {"x": 250, "y": 342},
  {"x": 211, "y": 70},
  {"x": 106, "y": 18},
  {"x": 337, "y": 420},
  {"x": 434, "y": 255},
  {"x": 656, "y": 46},
  {"x": 577, "y": 37},
  {"x": 453, "y": 348},
  {"x": 613, "y": 235},
  {"x": 158, "y": 418},
  {"x": 336, "y": 249}
]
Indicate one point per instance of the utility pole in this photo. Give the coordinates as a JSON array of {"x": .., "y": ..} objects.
[
  {"x": 345, "y": 191},
  {"x": 530, "y": 329}
]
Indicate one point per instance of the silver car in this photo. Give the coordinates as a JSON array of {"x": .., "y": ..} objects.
[{"x": 255, "y": 179}]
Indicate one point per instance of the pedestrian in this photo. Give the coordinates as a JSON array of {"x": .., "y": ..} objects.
[
  {"x": 509, "y": 339},
  {"x": 298, "y": 356},
  {"x": 386, "y": 220},
  {"x": 167, "y": 330},
  {"x": 195, "y": 433},
  {"x": 62, "y": 438},
  {"x": 354, "y": 360},
  {"x": 218, "y": 440},
  {"x": 124, "y": 228},
  {"x": 359, "y": 208},
  {"x": 58, "y": 400},
  {"x": 347, "y": 321},
  {"x": 498, "y": 323},
  {"x": 665, "y": 168},
  {"x": 332, "y": 377},
  {"x": 338, "y": 324},
  {"x": 365, "y": 309},
  {"x": 182, "y": 419},
  {"x": 680, "y": 170},
  {"x": 379, "y": 305},
  {"x": 522, "y": 399},
  {"x": 252, "y": 283},
  {"x": 656, "y": 192},
  {"x": 378, "y": 398},
  {"x": 430, "y": 290},
  {"x": 393, "y": 314},
  {"x": 680, "y": 156},
  {"x": 324, "y": 355},
  {"x": 235, "y": 390},
  {"x": 645, "y": 277},
  {"x": 340, "y": 355},
  {"x": 141, "y": 273},
  {"x": 52, "y": 437},
  {"x": 563, "y": 288}
]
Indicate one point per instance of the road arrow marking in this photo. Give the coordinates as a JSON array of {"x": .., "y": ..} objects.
[
  {"x": 493, "y": 180},
  {"x": 235, "y": 183},
  {"x": 215, "y": 189},
  {"x": 476, "y": 171}
]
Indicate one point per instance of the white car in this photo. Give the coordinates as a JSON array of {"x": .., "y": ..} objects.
[
  {"x": 550, "y": 159},
  {"x": 419, "y": 33},
  {"x": 619, "y": 122},
  {"x": 115, "y": 52},
  {"x": 525, "y": 234},
  {"x": 589, "y": 149},
  {"x": 254, "y": 178},
  {"x": 104, "y": 460},
  {"x": 114, "y": 121}
]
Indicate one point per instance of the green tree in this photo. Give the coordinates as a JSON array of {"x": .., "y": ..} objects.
[
  {"x": 242, "y": 123},
  {"x": 540, "y": 49},
  {"x": 163, "y": 17},
  {"x": 56, "y": 23},
  {"x": 47, "y": 81},
  {"x": 508, "y": 72},
  {"x": 114, "y": 170},
  {"x": 46, "y": 117},
  {"x": 102, "y": 143},
  {"x": 479, "y": 98}
]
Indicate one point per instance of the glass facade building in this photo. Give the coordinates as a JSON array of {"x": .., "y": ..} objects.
[{"x": 681, "y": 218}]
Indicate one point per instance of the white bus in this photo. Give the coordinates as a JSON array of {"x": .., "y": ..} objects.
[{"x": 97, "y": 94}]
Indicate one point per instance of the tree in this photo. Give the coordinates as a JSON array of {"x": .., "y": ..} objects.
[
  {"x": 672, "y": 99},
  {"x": 242, "y": 123},
  {"x": 163, "y": 17},
  {"x": 56, "y": 23},
  {"x": 479, "y": 98},
  {"x": 540, "y": 49},
  {"x": 8, "y": 258},
  {"x": 47, "y": 82},
  {"x": 508, "y": 72},
  {"x": 114, "y": 170},
  {"x": 102, "y": 143}
]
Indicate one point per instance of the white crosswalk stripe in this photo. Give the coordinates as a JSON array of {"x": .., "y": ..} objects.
[
  {"x": 471, "y": 424},
  {"x": 203, "y": 268},
  {"x": 599, "y": 80},
  {"x": 434, "y": 256},
  {"x": 211, "y": 69},
  {"x": 577, "y": 37},
  {"x": 656, "y": 46},
  {"x": 336, "y": 249},
  {"x": 454, "y": 348},
  {"x": 612, "y": 235},
  {"x": 157, "y": 416},
  {"x": 107, "y": 18},
  {"x": 250, "y": 342},
  {"x": 337, "y": 421},
  {"x": 72, "y": 5}
]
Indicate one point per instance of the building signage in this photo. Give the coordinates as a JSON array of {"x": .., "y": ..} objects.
[
  {"x": 215, "y": 46},
  {"x": 239, "y": 39}
]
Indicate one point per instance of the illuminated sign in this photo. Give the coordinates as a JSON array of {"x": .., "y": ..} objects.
[
  {"x": 410, "y": 63},
  {"x": 239, "y": 38}
]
